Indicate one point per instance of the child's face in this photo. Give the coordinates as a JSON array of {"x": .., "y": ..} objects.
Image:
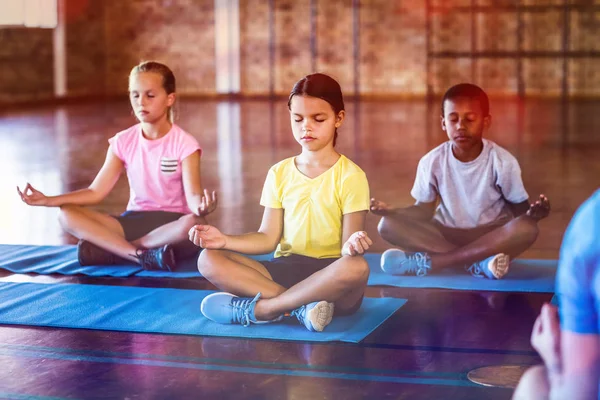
[
  {"x": 313, "y": 122},
  {"x": 464, "y": 122},
  {"x": 148, "y": 97}
]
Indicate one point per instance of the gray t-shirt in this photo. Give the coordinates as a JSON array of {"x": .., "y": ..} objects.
[{"x": 471, "y": 194}]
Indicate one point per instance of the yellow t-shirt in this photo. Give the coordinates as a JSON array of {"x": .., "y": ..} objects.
[{"x": 314, "y": 208}]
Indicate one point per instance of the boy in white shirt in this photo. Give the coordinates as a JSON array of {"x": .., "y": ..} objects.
[{"x": 483, "y": 218}]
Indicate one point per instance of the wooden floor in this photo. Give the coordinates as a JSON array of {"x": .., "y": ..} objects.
[{"x": 423, "y": 352}]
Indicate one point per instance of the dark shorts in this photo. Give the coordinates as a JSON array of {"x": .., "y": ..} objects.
[
  {"x": 288, "y": 271},
  {"x": 139, "y": 223}
]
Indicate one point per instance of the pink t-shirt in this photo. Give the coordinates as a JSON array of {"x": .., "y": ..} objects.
[{"x": 154, "y": 168}]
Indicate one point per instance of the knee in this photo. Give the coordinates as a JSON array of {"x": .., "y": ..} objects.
[
  {"x": 354, "y": 271},
  {"x": 188, "y": 221},
  {"x": 527, "y": 229},
  {"x": 533, "y": 385},
  {"x": 66, "y": 214},
  {"x": 208, "y": 262},
  {"x": 386, "y": 228}
]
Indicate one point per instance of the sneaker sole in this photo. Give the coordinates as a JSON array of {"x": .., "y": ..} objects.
[
  {"x": 320, "y": 315},
  {"x": 385, "y": 259},
  {"x": 499, "y": 265},
  {"x": 209, "y": 296}
]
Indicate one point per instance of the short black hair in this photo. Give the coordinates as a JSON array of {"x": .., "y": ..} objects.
[{"x": 469, "y": 91}]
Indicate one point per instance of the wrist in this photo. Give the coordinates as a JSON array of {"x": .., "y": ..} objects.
[
  {"x": 225, "y": 241},
  {"x": 52, "y": 201}
]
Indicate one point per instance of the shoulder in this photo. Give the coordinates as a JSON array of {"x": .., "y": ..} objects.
[
  {"x": 349, "y": 171},
  {"x": 499, "y": 153},
  {"x": 181, "y": 135},
  {"x": 580, "y": 253},
  {"x": 349, "y": 167},
  {"x": 436, "y": 155},
  {"x": 125, "y": 142},
  {"x": 350, "y": 175},
  {"x": 586, "y": 222},
  {"x": 438, "y": 152},
  {"x": 127, "y": 134},
  {"x": 282, "y": 166}
]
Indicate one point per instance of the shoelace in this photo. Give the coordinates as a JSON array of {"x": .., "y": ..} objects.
[
  {"x": 421, "y": 264},
  {"x": 145, "y": 257},
  {"x": 299, "y": 313},
  {"x": 474, "y": 269},
  {"x": 241, "y": 309}
]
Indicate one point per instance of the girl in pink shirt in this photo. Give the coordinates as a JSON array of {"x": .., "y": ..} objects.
[{"x": 162, "y": 162}]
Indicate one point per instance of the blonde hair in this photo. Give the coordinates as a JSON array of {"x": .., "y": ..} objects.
[{"x": 162, "y": 70}]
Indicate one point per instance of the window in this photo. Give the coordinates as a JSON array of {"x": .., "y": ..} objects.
[{"x": 29, "y": 13}]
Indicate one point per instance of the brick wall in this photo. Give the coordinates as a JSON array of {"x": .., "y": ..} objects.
[
  {"x": 26, "y": 65},
  {"x": 106, "y": 38}
]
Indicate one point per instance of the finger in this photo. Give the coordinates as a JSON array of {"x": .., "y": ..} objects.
[
  {"x": 195, "y": 229},
  {"x": 364, "y": 243},
  {"x": 551, "y": 316},
  {"x": 199, "y": 227},
  {"x": 362, "y": 246},
  {"x": 352, "y": 249},
  {"x": 358, "y": 246},
  {"x": 537, "y": 329},
  {"x": 21, "y": 195},
  {"x": 205, "y": 195},
  {"x": 32, "y": 189}
]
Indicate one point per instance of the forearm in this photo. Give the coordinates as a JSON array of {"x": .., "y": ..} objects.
[
  {"x": 79, "y": 197},
  {"x": 251, "y": 243},
  {"x": 194, "y": 201}
]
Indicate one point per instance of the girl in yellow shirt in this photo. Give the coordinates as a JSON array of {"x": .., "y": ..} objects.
[{"x": 315, "y": 208}]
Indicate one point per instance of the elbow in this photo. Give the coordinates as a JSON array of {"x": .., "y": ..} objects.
[
  {"x": 271, "y": 242},
  {"x": 95, "y": 196},
  {"x": 272, "y": 246}
]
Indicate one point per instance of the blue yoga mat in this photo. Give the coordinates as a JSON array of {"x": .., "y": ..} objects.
[
  {"x": 46, "y": 260},
  {"x": 160, "y": 310},
  {"x": 524, "y": 276}
]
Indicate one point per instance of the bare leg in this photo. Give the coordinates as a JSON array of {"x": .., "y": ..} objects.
[
  {"x": 512, "y": 238},
  {"x": 343, "y": 282},
  {"x": 533, "y": 385},
  {"x": 100, "y": 229},
  {"x": 237, "y": 274},
  {"x": 412, "y": 234}
]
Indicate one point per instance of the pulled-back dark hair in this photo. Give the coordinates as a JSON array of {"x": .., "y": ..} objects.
[
  {"x": 469, "y": 91},
  {"x": 323, "y": 87}
]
